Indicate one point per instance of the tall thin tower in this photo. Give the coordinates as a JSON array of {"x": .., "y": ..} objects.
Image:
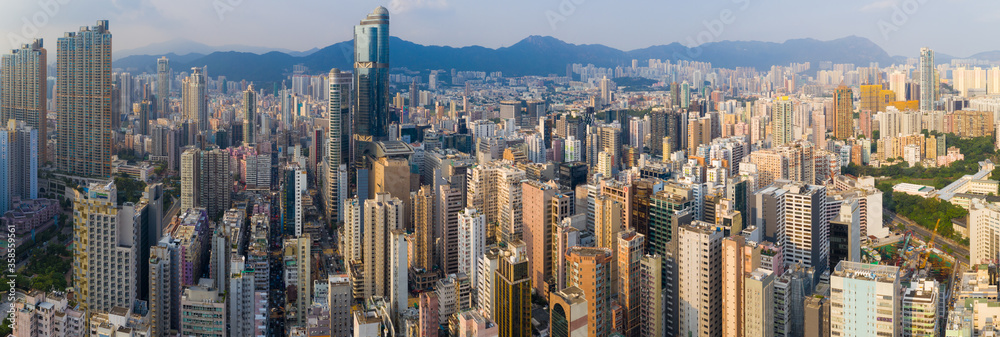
[
  {"x": 927, "y": 82},
  {"x": 195, "y": 104},
  {"x": 371, "y": 77},
  {"x": 339, "y": 142},
  {"x": 843, "y": 109},
  {"x": 23, "y": 94},
  {"x": 162, "y": 87},
  {"x": 83, "y": 99},
  {"x": 249, "y": 115}
]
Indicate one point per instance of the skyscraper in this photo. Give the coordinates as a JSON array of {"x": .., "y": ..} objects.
[
  {"x": 371, "y": 79},
  {"x": 206, "y": 180},
  {"x": 512, "y": 292},
  {"x": 339, "y": 143},
  {"x": 781, "y": 122},
  {"x": 631, "y": 246},
  {"x": 163, "y": 77},
  {"x": 23, "y": 93},
  {"x": 195, "y": 103},
  {"x": 83, "y": 99},
  {"x": 383, "y": 214},
  {"x": 843, "y": 109},
  {"x": 589, "y": 269},
  {"x": 106, "y": 253},
  {"x": 928, "y": 79},
  {"x": 249, "y": 116},
  {"x": 865, "y": 300},
  {"x": 699, "y": 274},
  {"x": 18, "y": 163}
]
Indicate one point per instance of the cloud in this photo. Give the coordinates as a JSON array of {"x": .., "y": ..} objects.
[
  {"x": 403, "y": 6},
  {"x": 879, "y": 5}
]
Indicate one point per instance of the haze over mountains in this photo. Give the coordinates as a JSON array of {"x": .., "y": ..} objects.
[{"x": 535, "y": 55}]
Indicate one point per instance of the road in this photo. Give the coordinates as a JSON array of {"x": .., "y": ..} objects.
[
  {"x": 959, "y": 252},
  {"x": 172, "y": 212}
]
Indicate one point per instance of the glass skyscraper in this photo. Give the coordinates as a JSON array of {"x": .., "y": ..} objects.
[
  {"x": 371, "y": 76},
  {"x": 83, "y": 100}
]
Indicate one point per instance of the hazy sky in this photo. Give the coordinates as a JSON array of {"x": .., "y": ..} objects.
[{"x": 956, "y": 27}]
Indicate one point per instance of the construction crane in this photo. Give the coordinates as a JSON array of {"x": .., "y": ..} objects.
[{"x": 930, "y": 244}]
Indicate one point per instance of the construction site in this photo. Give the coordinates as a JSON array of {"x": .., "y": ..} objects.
[{"x": 914, "y": 257}]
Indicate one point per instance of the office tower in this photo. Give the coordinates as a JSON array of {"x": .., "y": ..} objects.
[
  {"x": 843, "y": 109},
  {"x": 249, "y": 112},
  {"x": 392, "y": 176},
  {"x": 18, "y": 163},
  {"x": 194, "y": 102},
  {"x": 339, "y": 299},
  {"x": 164, "y": 286},
  {"x": 864, "y": 300},
  {"x": 652, "y": 296},
  {"x": 512, "y": 292},
  {"x": 106, "y": 252},
  {"x": 699, "y": 277},
  {"x": 23, "y": 90},
  {"x": 84, "y": 66},
  {"x": 781, "y": 122},
  {"x": 339, "y": 139},
  {"x": 568, "y": 313},
  {"x": 665, "y": 207},
  {"x": 817, "y": 316},
  {"x": 919, "y": 309},
  {"x": 371, "y": 81},
  {"x": 297, "y": 259},
  {"x": 382, "y": 215},
  {"x": 805, "y": 235},
  {"x": 758, "y": 304},
  {"x": 206, "y": 180},
  {"x": 163, "y": 78},
  {"x": 589, "y": 269},
  {"x": 257, "y": 172},
  {"x": 203, "y": 309},
  {"x": 291, "y": 200},
  {"x": 928, "y": 80},
  {"x": 471, "y": 242},
  {"x": 540, "y": 216},
  {"x": 630, "y": 250}
]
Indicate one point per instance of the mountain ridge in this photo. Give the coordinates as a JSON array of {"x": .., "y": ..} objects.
[{"x": 533, "y": 55}]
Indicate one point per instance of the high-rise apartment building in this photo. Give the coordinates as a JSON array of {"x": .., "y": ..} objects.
[
  {"x": 293, "y": 209},
  {"x": 495, "y": 189},
  {"x": 165, "y": 286},
  {"x": 589, "y": 269},
  {"x": 652, "y": 297},
  {"x": 471, "y": 242},
  {"x": 449, "y": 205},
  {"x": 106, "y": 253},
  {"x": 806, "y": 233},
  {"x": 865, "y": 300},
  {"x": 83, "y": 99},
  {"x": 512, "y": 292},
  {"x": 781, "y": 122},
  {"x": 843, "y": 109},
  {"x": 18, "y": 163},
  {"x": 23, "y": 90},
  {"x": 699, "y": 273},
  {"x": 297, "y": 260},
  {"x": 630, "y": 251},
  {"x": 206, "y": 180},
  {"x": 928, "y": 80},
  {"x": 249, "y": 114},
  {"x": 568, "y": 313},
  {"x": 423, "y": 224},
  {"x": 382, "y": 215},
  {"x": 194, "y": 100},
  {"x": 542, "y": 211}
]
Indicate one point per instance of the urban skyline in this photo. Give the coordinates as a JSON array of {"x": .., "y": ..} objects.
[{"x": 652, "y": 198}]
